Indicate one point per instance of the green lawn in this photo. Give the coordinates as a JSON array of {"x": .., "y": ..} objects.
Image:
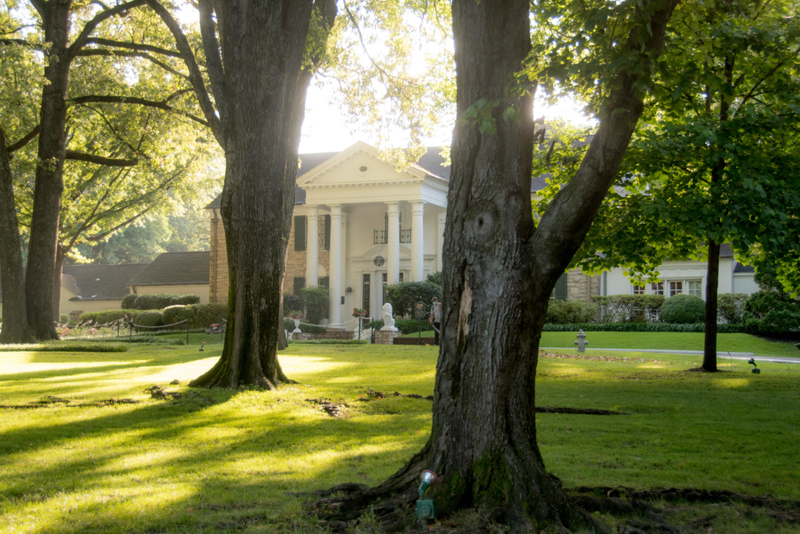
[
  {"x": 219, "y": 461},
  {"x": 672, "y": 341}
]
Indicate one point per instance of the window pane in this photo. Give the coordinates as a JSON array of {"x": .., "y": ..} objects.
[
  {"x": 657, "y": 288},
  {"x": 695, "y": 288},
  {"x": 675, "y": 288},
  {"x": 638, "y": 290}
]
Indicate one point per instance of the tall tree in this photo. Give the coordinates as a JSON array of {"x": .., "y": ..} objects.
[
  {"x": 15, "y": 322},
  {"x": 59, "y": 55},
  {"x": 717, "y": 159},
  {"x": 125, "y": 100},
  {"x": 260, "y": 57},
  {"x": 500, "y": 267}
]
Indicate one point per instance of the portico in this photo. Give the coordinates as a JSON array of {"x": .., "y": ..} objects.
[{"x": 382, "y": 226}]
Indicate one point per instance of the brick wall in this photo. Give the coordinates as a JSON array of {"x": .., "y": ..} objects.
[
  {"x": 581, "y": 286},
  {"x": 218, "y": 280}
]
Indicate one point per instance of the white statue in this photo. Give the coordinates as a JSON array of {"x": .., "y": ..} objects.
[{"x": 388, "y": 320}]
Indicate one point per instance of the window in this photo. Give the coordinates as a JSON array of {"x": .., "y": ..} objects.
[
  {"x": 325, "y": 233},
  {"x": 299, "y": 283},
  {"x": 300, "y": 232},
  {"x": 560, "y": 291},
  {"x": 675, "y": 288},
  {"x": 638, "y": 290},
  {"x": 657, "y": 288},
  {"x": 366, "y": 292},
  {"x": 695, "y": 288}
]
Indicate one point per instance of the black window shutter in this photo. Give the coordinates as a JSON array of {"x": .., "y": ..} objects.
[
  {"x": 561, "y": 288},
  {"x": 300, "y": 233},
  {"x": 327, "y": 232},
  {"x": 299, "y": 283},
  {"x": 324, "y": 281}
]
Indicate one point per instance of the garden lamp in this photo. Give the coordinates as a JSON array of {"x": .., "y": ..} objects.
[
  {"x": 755, "y": 369},
  {"x": 425, "y": 509}
]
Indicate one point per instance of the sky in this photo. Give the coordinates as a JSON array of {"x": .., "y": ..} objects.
[{"x": 325, "y": 128}]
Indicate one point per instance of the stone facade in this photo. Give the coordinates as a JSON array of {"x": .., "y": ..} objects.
[
  {"x": 219, "y": 281},
  {"x": 581, "y": 286}
]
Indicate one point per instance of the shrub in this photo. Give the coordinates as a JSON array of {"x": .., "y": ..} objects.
[
  {"x": 629, "y": 308},
  {"x": 435, "y": 278},
  {"x": 412, "y": 326},
  {"x": 730, "y": 307},
  {"x": 405, "y": 295},
  {"x": 571, "y": 311},
  {"x": 376, "y": 325},
  {"x": 683, "y": 309},
  {"x": 149, "y": 318},
  {"x": 207, "y": 314},
  {"x": 761, "y": 303},
  {"x": 161, "y": 301},
  {"x": 108, "y": 316},
  {"x": 177, "y": 313},
  {"x": 780, "y": 322},
  {"x": 128, "y": 301},
  {"x": 291, "y": 303},
  {"x": 316, "y": 301},
  {"x": 63, "y": 318}
]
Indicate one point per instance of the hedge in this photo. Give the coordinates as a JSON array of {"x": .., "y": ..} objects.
[
  {"x": 108, "y": 316},
  {"x": 629, "y": 308},
  {"x": 176, "y": 314},
  {"x": 571, "y": 312},
  {"x": 207, "y": 314},
  {"x": 157, "y": 302},
  {"x": 643, "y": 327},
  {"x": 405, "y": 295},
  {"x": 149, "y": 318},
  {"x": 683, "y": 309}
]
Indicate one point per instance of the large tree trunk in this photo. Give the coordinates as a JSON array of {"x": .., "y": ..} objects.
[
  {"x": 262, "y": 50},
  {"x": 712, "y": 286},
  {"x": 39, "y": 279},
  {"x": 499, "y": 271},
  {"x": 15, "y": 318}
]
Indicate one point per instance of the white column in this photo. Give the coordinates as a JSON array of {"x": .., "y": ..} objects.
[
  {"x": 312, "y": 248},
  {"x": 375, "y": 287},
  {"x": 335, "y": 289},
  {"x": 393, "y": 244},
  {"x": 417, "y": 242},
  {"x": 440, "y": 220},
  {"x": 345, "y": 316}
]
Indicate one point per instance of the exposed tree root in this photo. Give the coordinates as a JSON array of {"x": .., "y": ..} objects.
[
  {"x": 372, "y": 395},
  {"x": 334, "y": 410}
]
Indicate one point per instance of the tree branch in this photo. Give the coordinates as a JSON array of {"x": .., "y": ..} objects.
[
  {"x": 134, "y": 46},
  {"x": 100, "y": 160},
  {"x": 80, "y": 41},
  {"x": 569, "y": 216},
  {"x": 24, "y": 141},
  {"x": 86, "y": 52},
  {"x": 114, "y": 99},
  {"x": 195, "y": 77},
  {"x": 22, "y": 42},
  {"x": 216, "y": 72}
]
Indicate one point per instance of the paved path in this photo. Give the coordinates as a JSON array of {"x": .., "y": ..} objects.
[{"x": 728, "y": 355}]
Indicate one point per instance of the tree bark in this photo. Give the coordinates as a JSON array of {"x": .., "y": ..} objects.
[
  {"x": 262, "y": 47},
  {"x": 499, "y": 271},
  {"x": 15, "y": 318},
  {"x": 39, "y": 278},
  {"x": 712, "y": 285}
]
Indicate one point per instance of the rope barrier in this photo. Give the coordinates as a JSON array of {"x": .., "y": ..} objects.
[{"x": 160, "y": 326}]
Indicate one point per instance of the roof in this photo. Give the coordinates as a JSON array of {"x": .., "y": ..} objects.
[
  {"x": 432, "y": 162},
  {"x": 97, "y": 281},
  {"x": 743, "y": 269},
  {"x": 175, "y": 268}
]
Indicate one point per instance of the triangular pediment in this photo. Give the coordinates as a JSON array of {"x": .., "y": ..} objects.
[{"x": 358, "y": 165}]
